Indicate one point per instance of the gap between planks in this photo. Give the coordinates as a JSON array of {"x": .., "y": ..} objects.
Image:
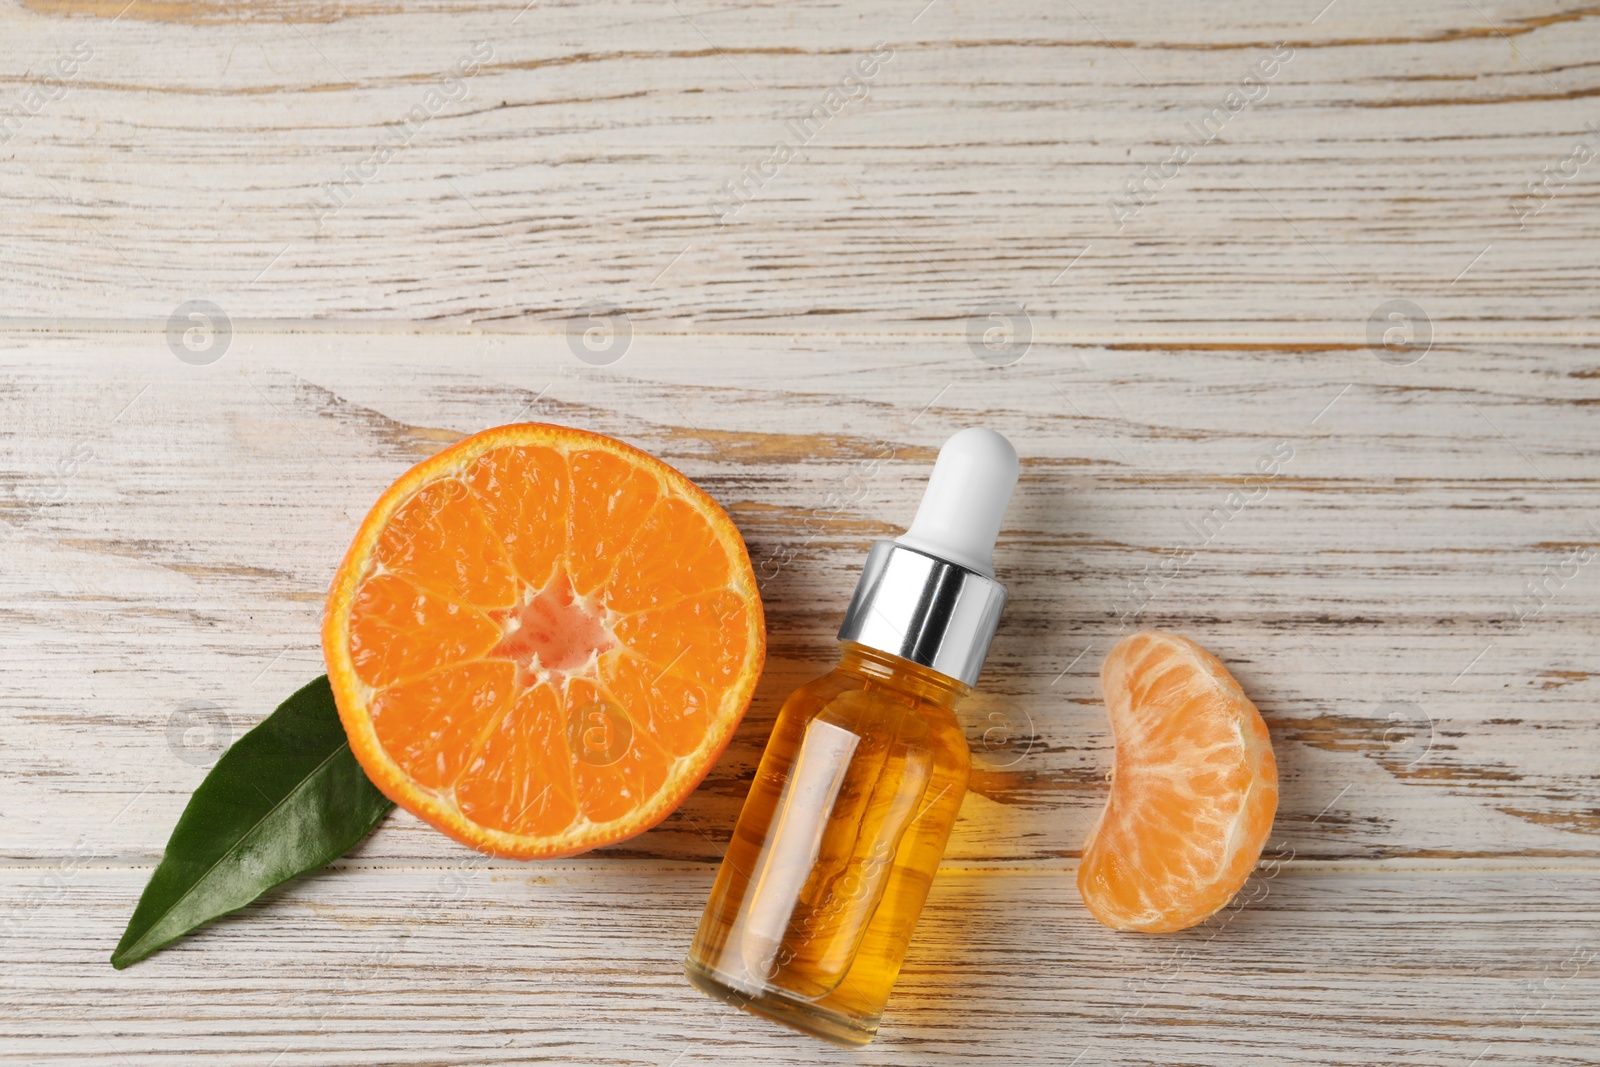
[
  {"x": 1329, "y": 334},
  {"x": 1448, "y": 867}
]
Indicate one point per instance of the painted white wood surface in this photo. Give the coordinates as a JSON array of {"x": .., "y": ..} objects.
[
  {"x": 170, "y": 528},
  {"x": 186, "y": 158},
  {"x": 373, "y": 965}
]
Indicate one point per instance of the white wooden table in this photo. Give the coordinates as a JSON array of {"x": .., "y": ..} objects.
[{"x": 412, "y": 221}]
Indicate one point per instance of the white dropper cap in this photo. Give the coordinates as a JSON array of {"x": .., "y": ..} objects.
[{"x": 965, "y": 500}]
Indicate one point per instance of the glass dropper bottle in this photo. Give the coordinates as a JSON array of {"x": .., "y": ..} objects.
[{"x": 861, "y": 781}]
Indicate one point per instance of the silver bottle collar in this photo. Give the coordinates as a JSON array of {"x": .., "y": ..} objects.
[{"x": 925, "y": 609}]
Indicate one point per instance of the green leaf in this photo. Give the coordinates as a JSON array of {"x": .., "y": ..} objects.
[{"x": 287, "y": 797}]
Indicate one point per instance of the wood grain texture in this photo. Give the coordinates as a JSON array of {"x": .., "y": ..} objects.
[
  {"x": 584, "y": 159},
  {"x": 1413, "y": 600},
  {"x": 556, "y": 965},
  {"x": 1367, "y": 598}
]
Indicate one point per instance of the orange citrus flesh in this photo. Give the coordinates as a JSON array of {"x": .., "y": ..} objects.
[
  {"x": 541, "y": 639},
  {"x": 1193, "y": 791}
]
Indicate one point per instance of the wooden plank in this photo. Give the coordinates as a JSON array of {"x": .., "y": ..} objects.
[
  {"x": 551, "y": 964},
  {"x": 1389, "y": 157},
  {"x": 1410, "y": 598},
  {"x": 1367, "y": 595}
]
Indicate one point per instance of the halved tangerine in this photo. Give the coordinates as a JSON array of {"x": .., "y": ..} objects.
[
  {"x": 541, "y": 639},
  {"x": 1193, "y": 791}
]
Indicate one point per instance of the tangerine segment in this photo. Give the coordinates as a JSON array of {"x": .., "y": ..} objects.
[
  {"x": 541, "y": 639},
  {"x": 440, "y": 541},
  {"x": 611, "y": 499},
  {"x": 643, "y": 577},
  {"x": 521, "y": 779},
  {"x": 617, "y": 765},
  {"x": 526, "y": 494},
  {"x": 401, "y": 631},
  {"x": 1193, "y": 791},
  {"x": 429, "y": 727},
  {"x": 678, "y": 707},
  {"x": 713, "y": 623}
]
